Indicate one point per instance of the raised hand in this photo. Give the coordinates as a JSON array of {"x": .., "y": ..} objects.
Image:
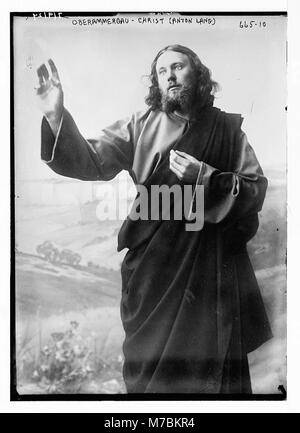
[{"x": 50, "y": 94}]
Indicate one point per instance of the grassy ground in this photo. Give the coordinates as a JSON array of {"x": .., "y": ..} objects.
[{"x": 50, "y": 297}]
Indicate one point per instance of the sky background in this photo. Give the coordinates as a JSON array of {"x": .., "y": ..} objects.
[{"x": 102, "y": 68}]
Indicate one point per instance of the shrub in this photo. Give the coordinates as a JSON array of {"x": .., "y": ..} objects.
[{"x": 65, "y": 363}]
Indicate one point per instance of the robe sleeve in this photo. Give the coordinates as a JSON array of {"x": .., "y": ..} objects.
[
  {"x": 234, "y": 196},
  {"x": 69, "y": 154}
]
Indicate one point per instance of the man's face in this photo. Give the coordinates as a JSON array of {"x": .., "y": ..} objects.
[{"x": 176, "y": 81}]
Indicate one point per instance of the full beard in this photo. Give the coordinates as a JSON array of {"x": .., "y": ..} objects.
[{"x": 183, "y": 100}]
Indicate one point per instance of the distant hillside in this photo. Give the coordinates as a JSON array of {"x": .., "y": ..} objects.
[{"x": 50, "y": 288}]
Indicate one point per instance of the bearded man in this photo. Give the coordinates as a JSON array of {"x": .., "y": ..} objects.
[{"x": 191, "y": 308}]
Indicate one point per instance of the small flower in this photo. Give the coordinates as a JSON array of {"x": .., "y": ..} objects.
[
  {"x": 59, "y": 357},
  {"x": 35, "y": 374},
  {"x": 45, "y": 351},
  {"x": 59, "y": 344},
  {"x": 52, "y": 388},
  {"x": 77, "y": 349},
  {"x": 57, "y": 336},
  {"x": 44, "y": 367}
]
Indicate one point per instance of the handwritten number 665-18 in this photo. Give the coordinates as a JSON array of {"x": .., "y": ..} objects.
[{"x": 252, "y": 24}]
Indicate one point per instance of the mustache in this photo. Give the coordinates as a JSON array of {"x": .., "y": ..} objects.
[
  {"x": 189, "y": 88},
  {"x": 173, "y": 85}
]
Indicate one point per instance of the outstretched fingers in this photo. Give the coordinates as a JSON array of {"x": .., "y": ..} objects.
[
  {"x": 46, "y": 79},
  {"x": 43, "y": 76},
  {"x": 55, "y": 76}
]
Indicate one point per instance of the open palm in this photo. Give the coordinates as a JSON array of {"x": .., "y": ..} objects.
[{"x": 49, "y": 91}]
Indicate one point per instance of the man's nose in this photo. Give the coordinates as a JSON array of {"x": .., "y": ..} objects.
[{"x": 171, "y": 75}]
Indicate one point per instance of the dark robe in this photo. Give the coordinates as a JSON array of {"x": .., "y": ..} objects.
[{"x": 191, "y": 307}]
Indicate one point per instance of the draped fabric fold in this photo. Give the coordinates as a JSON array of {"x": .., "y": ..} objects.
[{"x": 182, "y": 292}]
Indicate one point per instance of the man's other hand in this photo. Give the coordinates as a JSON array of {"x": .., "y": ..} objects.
[
  {"x": 50, "y": 94},
  {"x": 185, "y": 166}
]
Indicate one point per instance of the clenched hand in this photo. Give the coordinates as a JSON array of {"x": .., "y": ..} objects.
[{"x": 185, "y": 166}]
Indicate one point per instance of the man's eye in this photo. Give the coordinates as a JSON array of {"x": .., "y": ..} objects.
[
  {"x": 162, "y": 72},
  {"x": 178, "y": 67}
]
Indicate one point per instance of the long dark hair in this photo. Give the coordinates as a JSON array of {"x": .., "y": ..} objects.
[{"x": 206, "y": 86}]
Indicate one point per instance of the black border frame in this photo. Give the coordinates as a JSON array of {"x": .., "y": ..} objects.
[{"x": 14, "y": 395}]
